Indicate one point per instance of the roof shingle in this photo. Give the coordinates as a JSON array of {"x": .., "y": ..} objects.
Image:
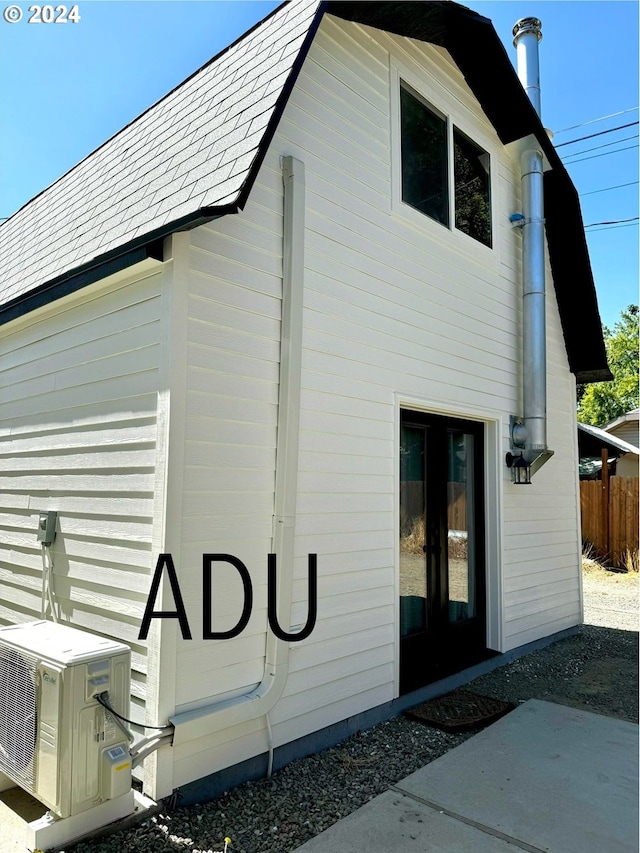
[{"x": 193, "y": 149}]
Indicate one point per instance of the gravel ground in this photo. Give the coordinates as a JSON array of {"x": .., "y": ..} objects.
[{"x": 596, "y": 669}]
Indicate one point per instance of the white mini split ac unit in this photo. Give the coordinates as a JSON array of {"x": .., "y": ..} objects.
[{"x": 57, "y": 742}]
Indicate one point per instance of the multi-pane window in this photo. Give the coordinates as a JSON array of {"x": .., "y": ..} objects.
[{"x": 429, "y": 147}]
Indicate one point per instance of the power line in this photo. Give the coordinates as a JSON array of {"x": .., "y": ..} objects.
[
  {"x": 611, "y": 228},
  {"x": 602, "y": 154},
  {"x": 604, "y": 145},
  {"x": 606, "y": 189},
  {"x": 614, "y": 222},
  {"x": 595, "y": 120},
  {"x": 600, "y": 133}
]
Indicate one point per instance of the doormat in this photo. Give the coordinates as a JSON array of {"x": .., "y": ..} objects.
[{"x": 460, "y": 711}]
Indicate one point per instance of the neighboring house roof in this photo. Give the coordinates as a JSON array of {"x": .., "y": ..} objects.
[
  {"x": 592, "y": 439},
  {"x": 628, "y": 420},
  {"x": 195, "y": 154}
]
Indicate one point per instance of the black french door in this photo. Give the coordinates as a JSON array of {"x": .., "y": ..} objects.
[{"x": 442, "y": 572}]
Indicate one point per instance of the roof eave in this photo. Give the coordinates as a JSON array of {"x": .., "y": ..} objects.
[
  {"x": 633, "y": 415},
  {"x": 593, "y": 438},
  {"x": 587, "y": 377},
  {"x": 145, "y": 247}
]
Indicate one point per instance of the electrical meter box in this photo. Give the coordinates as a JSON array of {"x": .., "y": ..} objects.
[{"x": 47, "y": 527}]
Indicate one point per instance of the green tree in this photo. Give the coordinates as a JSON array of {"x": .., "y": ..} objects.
[{"x": 602, "y": 402}]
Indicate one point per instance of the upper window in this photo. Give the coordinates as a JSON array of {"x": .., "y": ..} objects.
[
  {"x": 424, "y": 158},
  {"x": 458, "y": 194}
]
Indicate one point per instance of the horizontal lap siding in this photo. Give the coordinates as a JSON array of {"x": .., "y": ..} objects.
[
  {"x": 232, "y": 373},
  {"x": 542, "y": 535},
  {"x": 627, "y": 432},
  {"x": 389, "y": 307},
  {"x": 541, "y": 550},
  {"x": 78, "y": 391}
]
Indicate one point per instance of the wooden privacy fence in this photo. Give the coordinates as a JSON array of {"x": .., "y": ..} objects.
[
  {"x": 457, "y": 506},
  {"x": 412, "y": 505},
  {"x": 609, "y": 510}
]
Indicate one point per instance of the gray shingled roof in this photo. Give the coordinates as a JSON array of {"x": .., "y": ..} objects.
[
  {"x": 191, "y": 150},
  {"x": 592, "y": 438},
  {"x": 194, "y": 155}
]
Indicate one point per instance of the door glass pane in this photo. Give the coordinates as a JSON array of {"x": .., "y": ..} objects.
[
  {"x": 413, "y": 576},
  {"x": 460, "y": 524}
]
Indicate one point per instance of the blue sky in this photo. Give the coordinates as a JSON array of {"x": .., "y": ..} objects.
[{"x": 67, "y": 87}]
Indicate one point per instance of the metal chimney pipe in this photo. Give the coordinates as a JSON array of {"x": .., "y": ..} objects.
[
  {"x": 534, "y": 355},
  {"x": 527, "y": 34}
]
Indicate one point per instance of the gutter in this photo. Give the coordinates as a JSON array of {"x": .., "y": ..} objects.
[
  {"x": 202, "y": 722},
  {"x": 77, "y": 279},
  {"x": 148, "y": 247}
]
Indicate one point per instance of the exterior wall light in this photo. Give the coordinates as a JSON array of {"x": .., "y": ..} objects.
[{"x": 520, "y": 469}]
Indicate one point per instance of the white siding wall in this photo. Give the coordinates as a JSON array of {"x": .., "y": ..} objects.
[
  {"x": 229, "y": 457},
  {"x": 394, "y": 305},
  {"x": 78, "y": 400},
  {"x": 231, "y": 316},
  {"x": 396, "y": 308},
  {"x": 541, "y": 532}
]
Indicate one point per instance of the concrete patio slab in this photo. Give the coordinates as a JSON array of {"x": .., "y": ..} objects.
[
  {"x": 394, "y": 821},
  {"x": 544, "y": 778}
]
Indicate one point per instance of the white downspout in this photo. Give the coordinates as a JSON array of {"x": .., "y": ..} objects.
[
  {"x": 202, "y": 722},
  {"x": 532, "y": 439}
]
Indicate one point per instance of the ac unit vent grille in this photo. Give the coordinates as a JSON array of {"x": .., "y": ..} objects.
[{"x": 18, "y": 716}]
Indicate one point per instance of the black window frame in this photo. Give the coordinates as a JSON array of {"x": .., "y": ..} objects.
[{"x": 444, "y": 203}]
